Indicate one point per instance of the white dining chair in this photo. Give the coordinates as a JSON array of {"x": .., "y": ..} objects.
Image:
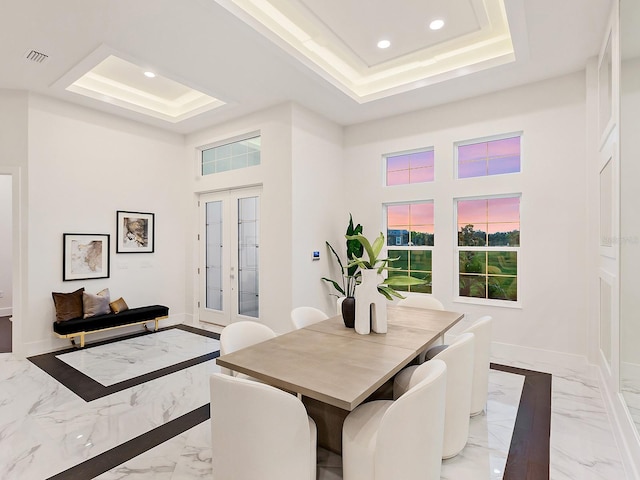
[
  {"x": 239, "y": 335},
  {"x": 428, "y": 302},
  {"x": 304, "y": 316},
  {"x": 421, "y": 301},
  {"x": 400, "y": 439},
  {"x": 481, "y": 328},
  {"x": 459, "y": 358},
  {"x": 259, "y": 432}
]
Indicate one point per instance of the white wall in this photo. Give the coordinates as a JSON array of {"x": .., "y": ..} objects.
[
  {"x": 83, "y": 167},
  {"x": 6, "y": 244},
  {"x": 551, "y": 115},
  {"x": 274, "y": 175},
  {"x": 319, "y": 208}
]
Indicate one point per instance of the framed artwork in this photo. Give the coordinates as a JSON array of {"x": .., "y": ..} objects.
[
  {"x": 85, "y": 256},
  {"x": 135, "y": 232}
]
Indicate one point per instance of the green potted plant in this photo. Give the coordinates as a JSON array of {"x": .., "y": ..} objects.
[
  {"x": 381, "y": 264},
  {"x": 371, "y": 310},
  {"x": 350, "y": 275}
]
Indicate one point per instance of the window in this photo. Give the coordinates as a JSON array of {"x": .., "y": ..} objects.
[
  {"x": 231, "y": 156},
  {"x": 488, "y": 247},
  {"x": 410, "y": 239},
  {"x": 409, "y": 167},
  {"x": 491, "y": 157}
]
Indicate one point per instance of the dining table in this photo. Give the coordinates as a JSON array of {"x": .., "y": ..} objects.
[{"x": 334, "y": 369}]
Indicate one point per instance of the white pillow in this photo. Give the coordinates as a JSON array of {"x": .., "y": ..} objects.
[{"x": 96, "y": 304}]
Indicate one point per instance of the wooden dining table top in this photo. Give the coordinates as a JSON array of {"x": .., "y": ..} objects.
[{"x": 333, "y": 364}]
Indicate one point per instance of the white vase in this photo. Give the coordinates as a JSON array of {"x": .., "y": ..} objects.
[{"x": 371, "y": 306}]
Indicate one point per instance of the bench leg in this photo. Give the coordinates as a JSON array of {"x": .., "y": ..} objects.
[
  {"x": 156, "y": 325},
  {"x": 82, "y": 340}
]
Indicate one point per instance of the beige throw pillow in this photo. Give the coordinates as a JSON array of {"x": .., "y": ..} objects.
[{"x": 96, "y": 304}]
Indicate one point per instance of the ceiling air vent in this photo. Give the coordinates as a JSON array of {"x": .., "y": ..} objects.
[{"x": 37, "y": 57}]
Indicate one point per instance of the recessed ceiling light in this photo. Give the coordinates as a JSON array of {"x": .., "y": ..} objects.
[
  {"x": 384, "y": 44},
  {"x": 436, "y": 24},
  {"x": 149, "y": 74}
]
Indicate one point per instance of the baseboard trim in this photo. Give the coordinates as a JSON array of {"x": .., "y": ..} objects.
[
  {"x": 6, "y": 312},
  {"x": 509, "y": 351}
]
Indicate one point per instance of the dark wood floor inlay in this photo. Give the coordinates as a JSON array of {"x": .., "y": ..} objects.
[
  {"x": 529, "y": 452},
  {"x": 5, "y": 334},
  {"x": 88, "y": 389},
  {"x": 123, "y": 453}
]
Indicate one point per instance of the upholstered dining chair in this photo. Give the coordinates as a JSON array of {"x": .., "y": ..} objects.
[
  {"x": 481, "y": 328},
  {"x": 402, "y": 439},
  {"x": 259, "y": 432},
  {"x": 428, "y": 302},
  {"x": 459, "y": 359},
  {"x": 304, "y": 316},
  {"x": 239, "y": 335},
  {"x": 421, "y": 301}
]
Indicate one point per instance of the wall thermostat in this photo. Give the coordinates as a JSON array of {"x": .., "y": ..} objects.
[{"x": 315, "y": 255}]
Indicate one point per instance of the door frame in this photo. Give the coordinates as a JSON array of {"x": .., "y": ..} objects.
[
  {"x": 233, "y": 194},
  {"x": 17, "y": 259}
]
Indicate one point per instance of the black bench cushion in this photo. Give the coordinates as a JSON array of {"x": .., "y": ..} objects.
[{"x": 99, "y": 322}]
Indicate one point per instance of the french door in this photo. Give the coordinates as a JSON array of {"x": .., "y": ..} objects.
[{"x": 229, "y": 256}]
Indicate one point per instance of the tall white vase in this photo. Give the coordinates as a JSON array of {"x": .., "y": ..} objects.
[{"x": 371, "y": 306}]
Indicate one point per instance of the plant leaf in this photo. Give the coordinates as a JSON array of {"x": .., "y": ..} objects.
[
  {"x": 336, "y": 255},
  {"x": 367, "y": 246},
  {"x": 378, "y": 243},
  {"x": 335, "y": 284},
  {"x": 388, "y": 292},
  {"x": 403, "y": 281}
]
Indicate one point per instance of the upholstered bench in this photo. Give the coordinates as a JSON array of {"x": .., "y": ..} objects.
[{"x": 79, "y": 327}]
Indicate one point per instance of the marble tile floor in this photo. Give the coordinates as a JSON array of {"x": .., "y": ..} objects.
[
  {"x": 47, "y": 431},
  {"x": 111, "y": 363}
]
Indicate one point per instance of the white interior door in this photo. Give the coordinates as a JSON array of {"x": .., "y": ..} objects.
[{"x": 229, "y": 260}]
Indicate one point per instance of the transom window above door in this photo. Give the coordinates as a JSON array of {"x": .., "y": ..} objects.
[{"x": 231, "y": 155}]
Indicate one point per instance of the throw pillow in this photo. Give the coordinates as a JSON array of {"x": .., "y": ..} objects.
[
  {"x": 68, "y": 305},
  {"x": 96, "y": 304},
  {"x": 118, "y": 305}
]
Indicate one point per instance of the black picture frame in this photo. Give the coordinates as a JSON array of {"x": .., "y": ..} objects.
[
  {"x": 85, "y": 256},
  {"x": 135, "y": 232}
]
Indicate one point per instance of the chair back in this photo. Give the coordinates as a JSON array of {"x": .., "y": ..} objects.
[
  {"x": 421, "y": 301},
  {"x": 259, "y": 432},
  {"x": 459, "y": 357},
  {"x": 239, "y": 335},
  {"x": 428, "y": 302},
  {"x": 304, "y": 316},
  {"x": 481, "y": 328},
  {"x": 410, "y": 436}
]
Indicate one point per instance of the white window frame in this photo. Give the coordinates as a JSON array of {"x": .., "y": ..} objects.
[
  {"x": 226, "y": 141},
  {"x": 407, "y": 247},
  {"x": 458, "y": 248},
  {"x": 489, "y": 138},
  {"x": 385, "y": 156}
]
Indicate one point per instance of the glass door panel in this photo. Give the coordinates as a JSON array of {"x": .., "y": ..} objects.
[
  {"x": 230, "y": 285},
  {"x": 248, "y": 228},
  {"x": 214, "y": 253}
]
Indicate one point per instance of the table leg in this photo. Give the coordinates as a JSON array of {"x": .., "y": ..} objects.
[{"x": 329, "y": 420}]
